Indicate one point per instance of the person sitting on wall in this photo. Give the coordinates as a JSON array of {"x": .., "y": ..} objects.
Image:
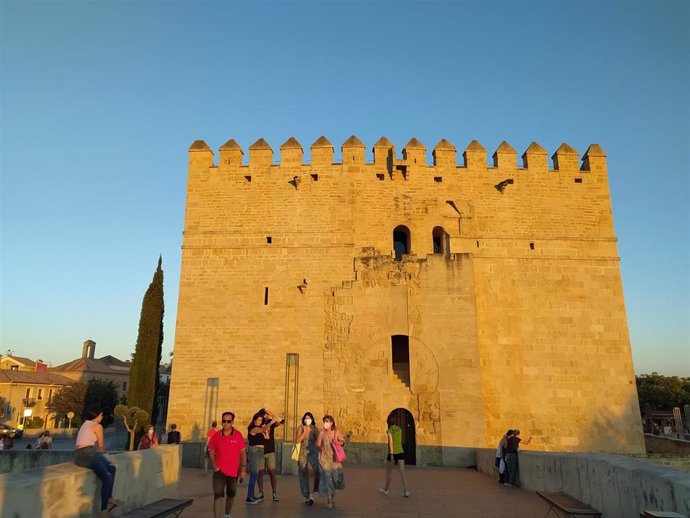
[
  {"x": 148, "y": 440},
  {"x": 173, "y": 435}
]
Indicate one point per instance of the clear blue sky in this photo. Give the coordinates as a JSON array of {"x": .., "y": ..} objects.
[{"x": 100, "y": 101}]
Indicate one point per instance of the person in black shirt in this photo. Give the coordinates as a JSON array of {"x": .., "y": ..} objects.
[
  {"x": 173, "y": 435},
  {"x": 269, "y": 460}
]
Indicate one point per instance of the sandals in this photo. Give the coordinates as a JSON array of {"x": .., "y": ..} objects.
[{"x": 112, "y": 504}]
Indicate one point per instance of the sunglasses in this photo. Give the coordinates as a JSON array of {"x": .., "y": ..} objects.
[{"x": 227, "y": 420}]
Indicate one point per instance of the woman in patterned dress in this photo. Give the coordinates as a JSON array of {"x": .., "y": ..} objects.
[
  {"x": 308, "y": 462},
  {"x": 331, "y": 475}
]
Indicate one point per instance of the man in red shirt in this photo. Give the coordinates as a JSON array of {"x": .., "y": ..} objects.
[{"x": 228, "y": 454}]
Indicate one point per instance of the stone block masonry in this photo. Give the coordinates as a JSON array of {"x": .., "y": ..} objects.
[{"x": 469, "y": 299}]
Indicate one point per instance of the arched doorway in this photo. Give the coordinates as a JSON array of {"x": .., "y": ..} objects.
[
  {"x": 404, "y": 419},
  {"x": 401, "y": 241}
]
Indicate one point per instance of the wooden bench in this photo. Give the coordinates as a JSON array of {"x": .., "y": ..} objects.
[
  {"x": 160, "y": 508},
  {"x": 566, "y": 504}
]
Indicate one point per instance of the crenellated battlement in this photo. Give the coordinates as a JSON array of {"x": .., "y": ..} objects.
[{"x": 444, "y": 156}]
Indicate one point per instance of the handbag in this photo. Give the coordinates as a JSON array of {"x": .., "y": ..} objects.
[
  {"x": 295, "y": 451},
  {"x": 502, "y": 466},
  {"x": 338, "y": 451}
]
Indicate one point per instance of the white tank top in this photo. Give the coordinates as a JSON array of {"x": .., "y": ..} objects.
[{"x": 87, "y": 434}]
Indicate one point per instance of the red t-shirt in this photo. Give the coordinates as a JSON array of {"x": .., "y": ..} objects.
[
  {"x": 211, "y": 432},
  {"x": 228, "y": 448}
]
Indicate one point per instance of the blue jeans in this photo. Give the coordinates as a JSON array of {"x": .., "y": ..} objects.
[{"x": 106, "y": 472}]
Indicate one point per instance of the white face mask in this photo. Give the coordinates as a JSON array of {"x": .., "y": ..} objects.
[
  {"x": 307, "y": 421},
  {"x": 326, "y": 425}
]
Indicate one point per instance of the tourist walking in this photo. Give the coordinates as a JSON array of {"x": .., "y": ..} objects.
[
  {"x": 90, "y": 453},
  {"x": 512, "y": 463},
  {"x": 228, "y": 456},
  {"x": 268, "y": 462},
  {"x": 209, "y": 433},
  {"x": 501, "y": 456},
  {"x": 149, "y": 439},
  {"x": 308, "y": 461},
  {"x": 395, "y": 456},
  {"x": 173, "y": 435},
  {"x": 331, "y": 474},
  {"x": 255, "y": 453}
]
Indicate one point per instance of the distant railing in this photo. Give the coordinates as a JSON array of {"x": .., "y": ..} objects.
[{"x": 29, "y": 401}]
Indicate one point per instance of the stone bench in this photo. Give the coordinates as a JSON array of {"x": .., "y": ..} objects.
[{"x": 68, "y": 491}]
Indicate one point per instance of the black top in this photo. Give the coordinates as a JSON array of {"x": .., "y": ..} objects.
[
  {"x": 513, "y": 442},
  {"x": 270, "y": 444},
  {"x": 255, "y": 440},
  {"x": 173, "y": 437}
]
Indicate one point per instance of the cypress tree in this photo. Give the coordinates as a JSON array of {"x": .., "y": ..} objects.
[{"x": 142, "y": 391}]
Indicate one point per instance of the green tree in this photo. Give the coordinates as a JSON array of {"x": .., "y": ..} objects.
[
  {"x": 103, "y": 394},
  {"x": 133, "y": 418},
  {"x": 658, "y": 392},
  {"x": 142, "y": 391},
  {"x": 69, "y": 399}
]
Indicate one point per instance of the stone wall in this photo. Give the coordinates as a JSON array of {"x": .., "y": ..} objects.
[
  {"x": 68, "y": 491},
  {"x": 518, "y": 321},
  {"x": 616, "y": 485}
]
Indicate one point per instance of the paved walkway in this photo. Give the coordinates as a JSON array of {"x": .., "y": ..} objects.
[{"x": 436, "y": 493}]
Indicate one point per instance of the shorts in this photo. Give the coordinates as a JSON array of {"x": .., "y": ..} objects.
[
  {"x": 395, "y": 457},
  {"x": 223, "y": 485},
  {"x": 268, "y": 461}
]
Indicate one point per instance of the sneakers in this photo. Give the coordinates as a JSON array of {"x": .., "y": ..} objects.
[
  {"x": 275, "y": 497},
  {"x": 384, "y": 491},
  {"x": 406, "y": 494},
  {"x": 252, "y": 500},
  {"x": 260, "y": 498},
  {"x": 310, "y": 500}
]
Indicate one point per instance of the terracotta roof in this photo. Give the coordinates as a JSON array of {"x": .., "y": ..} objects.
[
  {"x": 35, "y": 378},
  {"x": 26, "y": 362},
  {"x": 594, "y": 150},
  {"x": 231, "y": 144},
  {"x": 475, "y": 146},
  {"x": 535, "y": 149},
  {"x": 261, "y": 144},
  {"x": 413, "y": 143},
  {"x": 114, "y": 362},
  {"x": 565, "y": 149},
  {"x": 199, "y": 145},
  {"x": 383, "y": 142},
  {"x": 444, "y": 144},
  {"x": 86, "y": 365},
  {"x": 322, "y": 142},
  {"x": 353, "y": 142},
  {"x": 291, "y": 143}
]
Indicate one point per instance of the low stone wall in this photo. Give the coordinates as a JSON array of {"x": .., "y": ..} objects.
[
  {"x": 68, "y": 491},
  {"x": 666, "y": 445},
  {"x": 21, "y": 460},
  {"x": 618, "y": 486}
]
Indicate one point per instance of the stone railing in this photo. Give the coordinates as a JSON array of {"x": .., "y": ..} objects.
[
  {"x": 618, "y": 486},
  {"x": 68, "y": 491}
]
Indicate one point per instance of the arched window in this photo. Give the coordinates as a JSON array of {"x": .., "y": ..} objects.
[
  {"x": 401, "y": 241},
  {"x": 440, "y": 238}
]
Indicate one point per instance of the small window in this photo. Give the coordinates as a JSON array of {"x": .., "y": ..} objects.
[
  {"x": 266, "y": 296},
  {"x": 531, "y": 246},
  {"x": 124, "y": 386},
  {"x": 40, "y": 394},
  {"x": 315, "y": 177},
  {"x": 438, "y": 179},
  {"x": 440, "y": 240},
  {"x": 578, "y": 180},
  {"x": 401, "y": 241},
  {"x": 380, "y": 176},
  {"x": 248, "y": 178},
  {"x": 14, "y": 367},
  {"x": 269, "y": 239}
]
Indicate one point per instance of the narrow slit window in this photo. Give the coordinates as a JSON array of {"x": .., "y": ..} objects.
[
  {"x": 269, "y": 239},
  {"x": 266, "y": 296},
  {"x": 531, "y": 246}
]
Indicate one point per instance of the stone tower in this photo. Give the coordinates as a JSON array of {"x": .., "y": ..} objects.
[{"x": 466, "y": 299}]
